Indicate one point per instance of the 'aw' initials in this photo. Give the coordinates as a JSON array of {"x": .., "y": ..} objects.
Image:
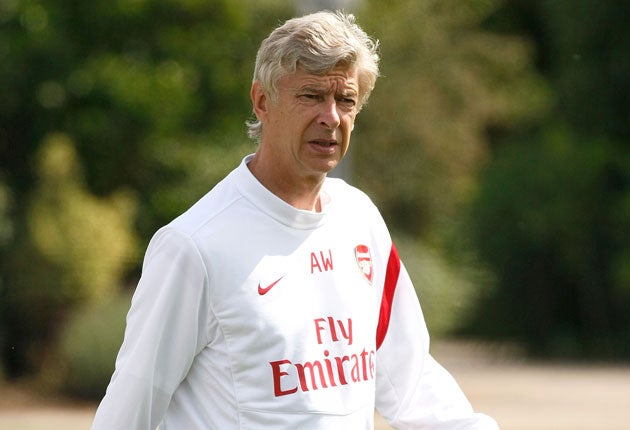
[{"x": 323, "y": 263}]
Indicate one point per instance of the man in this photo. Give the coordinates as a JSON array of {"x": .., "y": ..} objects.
[{"x": 278, "y": 300}]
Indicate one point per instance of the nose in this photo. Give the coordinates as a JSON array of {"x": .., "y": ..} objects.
[{"x": 329, "y": 115}]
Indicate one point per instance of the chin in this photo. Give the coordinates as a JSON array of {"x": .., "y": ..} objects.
[{"x": 330, "y": 166}]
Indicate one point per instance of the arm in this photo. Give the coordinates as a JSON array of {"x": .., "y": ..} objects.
[
  {"x": 413, "y": 390},
  {"x": 166, "y": 328}
]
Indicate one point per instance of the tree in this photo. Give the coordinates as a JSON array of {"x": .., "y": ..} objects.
[
  {"x": 75, "y": 250},
  {"x": 152, "y": 96},
  {"x": 551, "y": 216},
  {"x": 446, "y": 81},
  {"x": 550, "y": 222}
]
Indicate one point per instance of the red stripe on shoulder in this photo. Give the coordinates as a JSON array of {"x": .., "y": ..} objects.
[{"x": 391, "y": 280}]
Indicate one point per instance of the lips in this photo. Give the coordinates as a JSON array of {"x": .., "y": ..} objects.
[
  {"x": 323, "y": 143},
  {"x": 323, "y": 147}
]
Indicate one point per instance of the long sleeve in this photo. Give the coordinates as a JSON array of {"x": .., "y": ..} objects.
[
  {"x": 166, "y": 328},
  {"x": 413, "y": 390}
]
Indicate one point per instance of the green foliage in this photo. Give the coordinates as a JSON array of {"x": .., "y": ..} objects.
[
  {"x": 87, "y": 350},
  {"x": 6, "y": 233},
  {"x": 587, "y": 57},
  {"x": 551, "y": 215},
  {"x": 119, "y": 77},
  {"x": 6, "y": 225},
  {"x": 116, "y": 116},
  {"x": 448, "y": 293},
  {"x": 75, "y": 249},
  {"x": 551, "y": 219},
  {"x": 445, "y": 82},
  {"x": 91, "y": 240},
  {"x": 138, "y": 107}
]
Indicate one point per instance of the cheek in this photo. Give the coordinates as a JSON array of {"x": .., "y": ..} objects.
[{"x": 349, "y": 125}]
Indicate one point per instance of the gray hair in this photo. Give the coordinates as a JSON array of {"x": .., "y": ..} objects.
[{"x": 317, "y": 43}]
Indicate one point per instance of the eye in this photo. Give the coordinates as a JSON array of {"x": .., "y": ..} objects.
[
  {"x": 309, "y": 97},
  {"x": 347, "y": 102}
]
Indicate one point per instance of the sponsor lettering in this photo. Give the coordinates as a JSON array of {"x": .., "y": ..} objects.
[
  {"x": 325, "y": 371},
  {"x": 345, "y": 330}
]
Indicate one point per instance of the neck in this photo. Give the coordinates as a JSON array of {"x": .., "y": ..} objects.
[{"x": 299, "y": 192}]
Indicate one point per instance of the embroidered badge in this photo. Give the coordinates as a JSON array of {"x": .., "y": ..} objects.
[{"x": 364, "y": 261}]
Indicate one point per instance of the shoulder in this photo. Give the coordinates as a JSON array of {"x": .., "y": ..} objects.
[
  {"x": 349, "y": 197},
  {"x": 338, "y": 188},
  {"x": 219, "y": 200}
]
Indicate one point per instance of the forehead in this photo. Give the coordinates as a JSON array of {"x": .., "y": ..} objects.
[{"x": 338, "y": 79}]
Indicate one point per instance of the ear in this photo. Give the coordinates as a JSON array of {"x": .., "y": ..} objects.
[{"x": 259, "y": 101}]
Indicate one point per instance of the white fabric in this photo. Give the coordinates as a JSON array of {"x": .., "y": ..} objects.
[{"x": 204, "y": 349}]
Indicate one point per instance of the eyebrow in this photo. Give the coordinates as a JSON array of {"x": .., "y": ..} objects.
[{"x": 347, "y": 92}]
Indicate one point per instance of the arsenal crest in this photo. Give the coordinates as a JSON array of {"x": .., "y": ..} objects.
[{"x": 364, "y": 261}]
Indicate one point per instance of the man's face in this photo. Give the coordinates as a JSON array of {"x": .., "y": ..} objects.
[{"x": 309, "y": 125}]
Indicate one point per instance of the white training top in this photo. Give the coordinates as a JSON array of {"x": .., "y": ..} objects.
[{"x": 251, "y": 314}]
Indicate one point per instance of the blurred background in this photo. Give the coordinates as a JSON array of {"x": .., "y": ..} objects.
[{"x": 495, "y": 144}]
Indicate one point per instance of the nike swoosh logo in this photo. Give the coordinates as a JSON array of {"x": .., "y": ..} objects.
[{"x": 262, "y": 291}]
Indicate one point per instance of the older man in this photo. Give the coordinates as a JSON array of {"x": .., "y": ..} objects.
[{"x": 278, "y": 300}]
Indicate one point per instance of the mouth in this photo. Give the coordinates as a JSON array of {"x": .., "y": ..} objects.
[{"x": 324, "y": 143}]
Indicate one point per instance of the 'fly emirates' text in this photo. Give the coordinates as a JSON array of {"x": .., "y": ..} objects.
[{"x": 327, "y": 371}]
